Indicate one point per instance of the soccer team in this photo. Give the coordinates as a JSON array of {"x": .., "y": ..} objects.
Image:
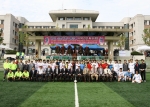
[{"x": 85, "y": 70}]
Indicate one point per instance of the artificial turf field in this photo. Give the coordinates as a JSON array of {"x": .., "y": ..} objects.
[{"x": 61, "y": 94}]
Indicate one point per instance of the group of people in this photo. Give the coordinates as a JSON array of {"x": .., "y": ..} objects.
[{"x": 85, "y": 70}]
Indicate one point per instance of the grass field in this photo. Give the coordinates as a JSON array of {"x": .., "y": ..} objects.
[{"x": 61, "y": 94}]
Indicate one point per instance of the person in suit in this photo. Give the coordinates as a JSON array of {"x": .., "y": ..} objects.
[
  {"x": 79, "y": 73},
  {"x": 94, "y": 73},
  {"x": 86, "y": 74},
  {"x": 20, "y": 65},
  {"x": 114, "y": 75},
  {"x": 33, "y": 74},
  {"x": 143, "y": 71},
  {"x": 137, "y": 66},
  {"x": 48, "y": 73},
  {"x": 71, "y": 73},
  {"x": 56, "y": 73},
  {"x": 31, "y": 65},
  {"x": 63, "y": 74},
  {"x": 25, "y": 66}
]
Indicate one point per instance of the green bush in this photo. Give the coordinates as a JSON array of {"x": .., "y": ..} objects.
[
  {"x": 136, "y": 53},
  {"x": 10, "y": 52}
]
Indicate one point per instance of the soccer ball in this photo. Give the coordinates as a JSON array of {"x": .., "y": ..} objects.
[{"x": 75, "y": 81}]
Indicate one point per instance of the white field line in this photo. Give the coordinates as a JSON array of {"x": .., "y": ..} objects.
[{"x": 76, "y": 95}]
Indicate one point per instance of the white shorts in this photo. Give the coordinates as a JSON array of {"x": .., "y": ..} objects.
[{"x": 137, "y": 81}]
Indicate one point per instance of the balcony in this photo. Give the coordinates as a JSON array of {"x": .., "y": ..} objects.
[{"x": 73, "y": 29}]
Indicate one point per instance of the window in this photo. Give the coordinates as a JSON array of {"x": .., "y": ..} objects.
[
  {"x": 46, "y": 50},
  {"x": 84, "y": 26},
  {"x": 94, "y": 26},
  {"x": 73, "y": 26},
  {"x": 132, "y": 42},
  {"x": 30, "y": 26},
  {"x": 15, "y": 33},
  {"x": 63, "y": 26},
  {"x": 61, "y": 18},
  {"x": 101, "y": 27},
  {"x": 77, "y": 18},
  {"x": 52, "y": 26},
  {"x": 13, "y": 23},
  {"x": 86, "y": 18},
  {"x": 38, "y": 27},
  {"x": 117, "y": 27},
  {"x": 145, "y": 22},
  {"x": 16, "y": 25},
  {"x": 45, "y": 26},
  {"x": 109, "y": 27},
  {"x": 69, "y": 18},
  {"x": 2, "y": 21}
]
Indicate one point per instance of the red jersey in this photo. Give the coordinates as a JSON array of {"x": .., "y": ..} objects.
[
  {"x": 89, "y": 66},
  {"x": 104, "y": 65}
]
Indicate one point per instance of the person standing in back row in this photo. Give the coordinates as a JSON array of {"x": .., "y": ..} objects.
[{"x": 142, "y": 70}]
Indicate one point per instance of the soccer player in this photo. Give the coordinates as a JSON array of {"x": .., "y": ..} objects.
[
  {"x": 10, "y": 76},
  {"x": 116, "y": 67},
  {"x": 128, "y": 75},
  {"x": 120, "y": 64},
  {"x": 131, "y": 67},
  {"x": 25, "y": 75},
  {"x": 18, "y": 75},
  {"x": 137, "y": 78},
  {"x": 120, "y": 75}
]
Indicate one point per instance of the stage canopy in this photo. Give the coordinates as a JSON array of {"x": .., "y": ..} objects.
[
  {"x": 143, "y": 48},
  {"x": 93, "y": 47}
]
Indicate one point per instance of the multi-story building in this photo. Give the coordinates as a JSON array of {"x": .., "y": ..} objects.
[
  {"x": 74, "y": 22},
  {"x": 9, "y": 25}
]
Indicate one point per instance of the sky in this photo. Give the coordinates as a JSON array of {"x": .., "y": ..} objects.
[{"x": 109, "y": 10}]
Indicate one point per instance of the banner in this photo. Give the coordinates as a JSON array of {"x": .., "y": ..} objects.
[{"x": 73, "y": 39}]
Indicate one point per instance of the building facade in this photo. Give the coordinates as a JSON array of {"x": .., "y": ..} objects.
[{"x": 82, "y": 21}]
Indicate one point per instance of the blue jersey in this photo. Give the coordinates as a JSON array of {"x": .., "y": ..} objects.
[
  {"x": 128, "y": 74},
  {"x": 110, "y": 66},
  {"x": 82, "y": 66}
]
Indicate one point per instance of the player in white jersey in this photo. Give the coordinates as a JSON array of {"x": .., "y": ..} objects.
[
  {"x": 53, "y": 65},
  {"x": 77, "y": 64},
  {"x": 116, "y": 66},
  {"x": 120, "y": 75},
  {"x": 45, "y": 65},
  {"x": 36, "y": 64},
  {"x": 69, "y": 64},
  {"x": 131, "y": 66},
  {"x": 136, "y": 78},
  {"x": 120, "y": 64}
]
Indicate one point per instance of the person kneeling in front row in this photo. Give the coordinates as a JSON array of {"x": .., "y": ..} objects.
[
  {"x": 137, "y": 78},
  {"x": 18, "y": 75},
  {"x": 120, "y": 75},
  {"x": 25, "y": 75},
  {"x": 128, "y": 75},
  {"x": 10, "y": 76}
]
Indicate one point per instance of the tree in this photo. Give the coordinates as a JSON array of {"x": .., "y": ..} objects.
[
  {"x": 146, "y": 36},
  {"x": 1, "y": 38},
  {"x": 121, "y": 42},
  {"x": 24, "y": 39}
]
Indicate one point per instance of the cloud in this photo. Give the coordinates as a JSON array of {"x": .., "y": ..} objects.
[{"x": 110, "y": 10}]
